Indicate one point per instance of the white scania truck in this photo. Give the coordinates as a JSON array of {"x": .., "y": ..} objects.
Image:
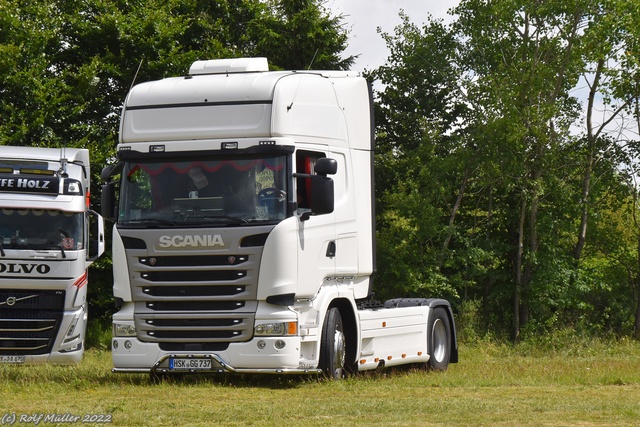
[
  {"x": 45, "y": 250},
  {"x": 244, "y": 234}
]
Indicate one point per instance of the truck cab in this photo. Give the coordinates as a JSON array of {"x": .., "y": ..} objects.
[
  {"x": 244, "y": 228},
  {"x": 48, "y": 239}
]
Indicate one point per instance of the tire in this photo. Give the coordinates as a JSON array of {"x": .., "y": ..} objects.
[
  {"x": 439, "y": 340},
  {"x": 333, "y": 345}
]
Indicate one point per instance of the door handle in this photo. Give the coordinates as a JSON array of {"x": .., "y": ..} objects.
[{"x": 331, "y": 249}]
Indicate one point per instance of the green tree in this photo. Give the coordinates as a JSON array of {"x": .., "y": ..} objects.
[
  {"x": 482, "y": 195},
  {"x": 421, "y": 163},
  {"x": 300, "y": 35},
  {"x": 67, "y": 65}
]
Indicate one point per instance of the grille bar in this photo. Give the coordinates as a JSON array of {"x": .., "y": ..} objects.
[
  {"x": 23, "y": 344},
  {"x": 193, "y": 276},
  {"x": 29, "y": 325},
  {"x": 193, "y": 261},
  {"x": 193, "y": 291},
  {"x": 194, "y": 305},
  {"x": 22, "y": 299}
]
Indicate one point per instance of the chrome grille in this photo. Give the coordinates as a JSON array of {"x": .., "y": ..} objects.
[
  {"x": 29, "y": 320},
  {"x": 182, "y": 298}
]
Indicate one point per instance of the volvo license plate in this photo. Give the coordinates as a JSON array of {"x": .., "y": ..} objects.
[
  {"x": 11, "y": 359},
  {"x": 179, "y": 364}
]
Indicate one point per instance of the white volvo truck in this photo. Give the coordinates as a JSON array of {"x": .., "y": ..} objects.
[
  {"x": 244, "y": 229},
  {"x": 45, "y": 250}
]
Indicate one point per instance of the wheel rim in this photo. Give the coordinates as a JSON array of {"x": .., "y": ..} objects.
[
  {"x": 339, "y": 352},
  {"x": 439, "y": 333}
]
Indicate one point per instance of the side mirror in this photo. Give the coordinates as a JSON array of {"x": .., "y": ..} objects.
[
  {"x": 106, "y": 173},
  {"x": 96, "y": 237},
  {"x": 108, "y": 201},
  {"x": 326, "y": 166},
  {"x": 322, "y": 195},
  {"x": 110, "y": 171}
]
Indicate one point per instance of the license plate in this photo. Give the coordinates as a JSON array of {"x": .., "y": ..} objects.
[
  {"x": 11, "y": 359},
  {"x": 178, "y": 364}
]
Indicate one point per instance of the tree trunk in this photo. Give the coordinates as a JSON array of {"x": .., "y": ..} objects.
[
  {"x": 582, "y": 231},
  {"x": 636, "y": 325},
  {"x": 592, "y": 135},
  {"x": 456, "y": 206},
  {"x": 518, "y": 264},
  {"x": 528, "y": 264}
]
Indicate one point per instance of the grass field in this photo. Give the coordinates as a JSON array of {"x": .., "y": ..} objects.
[{"x": 583, "y": 384}]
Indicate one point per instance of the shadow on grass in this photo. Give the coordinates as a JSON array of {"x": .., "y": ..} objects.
[{"x": 95, "y": 370}]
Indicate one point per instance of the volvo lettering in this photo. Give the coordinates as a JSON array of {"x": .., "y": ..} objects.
[
  {"x": 244, "y": 234},
  {"x": 22, "y": 268},
  {"x": 48, "y": 238}
]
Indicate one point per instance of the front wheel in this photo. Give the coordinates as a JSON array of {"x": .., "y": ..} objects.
[
  {"x": 439, "y": 344},
  {"x": 333, "y": 345}
]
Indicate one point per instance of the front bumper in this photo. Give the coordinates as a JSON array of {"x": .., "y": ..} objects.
[{"x": 258, "y": 356}]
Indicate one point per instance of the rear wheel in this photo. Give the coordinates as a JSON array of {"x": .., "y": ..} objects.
[
  {"x": 333, "y": 345},
  {"x": 439, "y": 345}
]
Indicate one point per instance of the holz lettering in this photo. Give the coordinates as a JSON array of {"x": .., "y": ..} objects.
[
  {"x": 24, "y": 183},
  {"x": 20, "y": 268},
  {"x": 32, "y": 183}
]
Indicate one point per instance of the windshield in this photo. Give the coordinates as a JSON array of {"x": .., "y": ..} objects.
[
  {"x": 200, "y": 191},
  {"x": 41, "y": 229}
]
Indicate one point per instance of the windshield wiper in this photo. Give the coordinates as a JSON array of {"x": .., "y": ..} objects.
[
  {"x": 234, "y": 219},
  {"x": 54, "y": 246},
  {"x": 199, "y": 216},
  {"x": 151, "y": 222}
]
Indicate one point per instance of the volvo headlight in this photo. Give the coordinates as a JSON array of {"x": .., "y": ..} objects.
[{"x": 276, "y": 329}]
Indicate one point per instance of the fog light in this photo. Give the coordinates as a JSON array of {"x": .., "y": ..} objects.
[
  {"x": 262, "y": 344},
  {"x": 128, "y": 345},
  {"x": 279, "y": 344}
]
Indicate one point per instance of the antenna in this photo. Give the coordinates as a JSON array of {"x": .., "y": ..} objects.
[
  {"x": 63, "y": 162},
  {"x": 312, "y": 59},
  {"x": 136, "y": 75}
]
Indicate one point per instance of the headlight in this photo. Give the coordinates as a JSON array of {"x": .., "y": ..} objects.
[
  {"x": 276, "y": 329},
  {"x": 72, "y": 327},
  {"x": 124, "y": 330}
]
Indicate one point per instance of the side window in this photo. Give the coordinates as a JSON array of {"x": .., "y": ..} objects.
[{"x": 305, "y": 163}]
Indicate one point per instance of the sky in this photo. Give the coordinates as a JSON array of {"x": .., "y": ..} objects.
[{"x": 362, "y": 17}]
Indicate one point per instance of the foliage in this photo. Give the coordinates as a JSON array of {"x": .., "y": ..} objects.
[
  {"x": 67, "y": 65},
  {"x": 499, "y": 185},
  {"x": 505, "y": 161}
]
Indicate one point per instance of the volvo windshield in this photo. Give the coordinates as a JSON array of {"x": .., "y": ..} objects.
[
  {"x": 229, "y": 191},
  {"x": 41, "y": 229}
]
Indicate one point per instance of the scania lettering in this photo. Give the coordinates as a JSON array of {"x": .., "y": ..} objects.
[
  {"x": 184, "y": 241},
  {"x": 48, "y": 239},
  {"x": 244, "y": 235}
]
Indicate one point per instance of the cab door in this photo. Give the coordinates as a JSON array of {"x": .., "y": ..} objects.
[{"x": 316, "y": 240}]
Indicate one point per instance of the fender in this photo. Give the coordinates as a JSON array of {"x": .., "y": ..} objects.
[{"x": 431, "y": 303}]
